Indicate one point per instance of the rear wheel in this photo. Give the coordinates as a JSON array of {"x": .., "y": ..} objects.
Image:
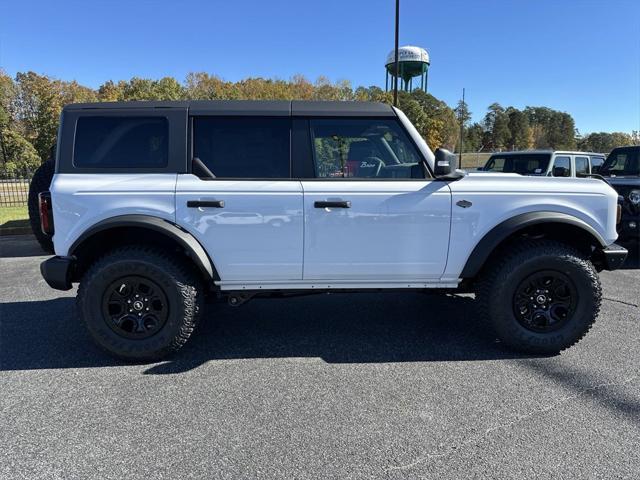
[
  {"x": 41, "y": 182},
  {"x": 540, "y": 297},
  {"x": 140, "y": 303}
]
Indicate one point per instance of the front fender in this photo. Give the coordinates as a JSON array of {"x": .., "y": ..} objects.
[{"x": 503, "y": 230}]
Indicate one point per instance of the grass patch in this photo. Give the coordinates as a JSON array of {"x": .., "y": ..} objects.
[{"x": 11, "y": 217}]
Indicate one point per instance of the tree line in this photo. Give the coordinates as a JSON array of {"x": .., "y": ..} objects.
[
  {"x": 534, "y": 128},
  {"x": 30, "y": 106}
]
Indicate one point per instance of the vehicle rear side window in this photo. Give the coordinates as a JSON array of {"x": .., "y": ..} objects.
[
  {"x": 363, "y": 148},
  {"x": 243, "y": 147},
  {"x": 582, "y": 165},
  {"x": 121, "y": 142},
  {"x": 562, "y": 167},
  {"x": 596, "y": 163}
]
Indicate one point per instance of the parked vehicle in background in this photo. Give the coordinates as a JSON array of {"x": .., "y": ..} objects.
[
  {"x": 545, "y": 163},
  {"x": 622, "y": 171},
  {"x": 155, "y": 205}
]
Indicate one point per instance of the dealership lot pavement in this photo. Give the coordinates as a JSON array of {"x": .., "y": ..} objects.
[{"x": 368, "y": 386}]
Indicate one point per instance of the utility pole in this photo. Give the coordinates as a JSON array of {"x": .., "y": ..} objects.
[
  {"x": 395, "y": 83},
  {"x": 462, "y": 112}
]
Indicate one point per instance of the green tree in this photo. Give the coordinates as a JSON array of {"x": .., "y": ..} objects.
[
  {"x": 17, "y": 155},
  {"x": 474, "y": 138},
  {"x": 463, "y": 115},
  {"x": 443, "y": 129},
  {"x": 604, "y": 142},
  {"x": 7, "y": 94},
  {"x": 37, "y": 105},
  {"x": 551, "y": 128},
  {"x": 416, "y": 114},
  {"x": 521, "y": 137},
  {"x": 496, "y": 124}
]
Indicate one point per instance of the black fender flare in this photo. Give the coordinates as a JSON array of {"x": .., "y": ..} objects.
[
  {"x": 192, "y": 247},
  {"x": 500, "y": 232}
]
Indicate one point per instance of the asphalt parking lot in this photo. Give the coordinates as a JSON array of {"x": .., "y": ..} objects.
[{"x": 366, "y": 386}]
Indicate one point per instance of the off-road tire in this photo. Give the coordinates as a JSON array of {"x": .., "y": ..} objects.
[
  {"x": 499, "y": 283},
  {"x": 181, "y": 285},
  {"x": 41, "y": 182}
]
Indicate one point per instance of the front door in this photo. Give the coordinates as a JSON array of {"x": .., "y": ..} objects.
[
  {"x": 249, "y": 217},
  {"x": 369, "y": 216}
]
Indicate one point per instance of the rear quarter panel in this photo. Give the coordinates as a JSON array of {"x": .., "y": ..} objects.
[{"x": 82, "y": 200}]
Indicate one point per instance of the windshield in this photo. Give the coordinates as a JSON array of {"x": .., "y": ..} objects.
[
  {"x": 524, "y": 163},
  {"x": 622, "y": 162}
]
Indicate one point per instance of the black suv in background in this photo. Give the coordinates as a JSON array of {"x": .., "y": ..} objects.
[{"x": 622, "y": 171}]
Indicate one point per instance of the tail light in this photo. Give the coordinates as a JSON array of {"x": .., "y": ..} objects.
[{"x": 46, "y": 213}]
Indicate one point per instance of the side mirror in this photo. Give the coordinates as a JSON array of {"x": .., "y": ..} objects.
[
  {"x": 561, "y": 172},
  {"x": 446, "y": 163}
]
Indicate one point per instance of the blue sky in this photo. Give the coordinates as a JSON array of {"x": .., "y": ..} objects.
[{"x": 579, "y": 56}]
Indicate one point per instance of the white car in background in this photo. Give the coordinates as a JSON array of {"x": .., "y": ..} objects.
[{"x": 549, "y": 163}]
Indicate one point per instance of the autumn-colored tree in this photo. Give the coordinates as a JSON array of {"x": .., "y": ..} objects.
[
  {"x": 37, "y": 106},
  {"x": 30, "y": 106},
  {"x": 443, "y": 130}
]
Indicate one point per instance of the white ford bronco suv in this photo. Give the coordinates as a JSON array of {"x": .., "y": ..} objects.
[{"x": 155, "y": 206}]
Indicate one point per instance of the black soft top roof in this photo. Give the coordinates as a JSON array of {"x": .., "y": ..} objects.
[{"x": 252, "y": 107}]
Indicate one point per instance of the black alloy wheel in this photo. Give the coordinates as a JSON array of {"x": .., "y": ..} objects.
[
  {"x": 135, "y": 307},
  {"x": 545, "y": 301}
]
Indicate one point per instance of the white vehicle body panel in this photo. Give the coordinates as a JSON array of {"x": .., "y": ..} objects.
[
  {"x": 85, "y": 199},
  {"x": 500, "y": 196},
  {"x": 395, "y": 235},
  {"x": 258, "y": 234},
  {"x": 394, "y": 230}
]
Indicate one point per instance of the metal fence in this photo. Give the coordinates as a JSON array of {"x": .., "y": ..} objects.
[{"x": 14, "y": 188}]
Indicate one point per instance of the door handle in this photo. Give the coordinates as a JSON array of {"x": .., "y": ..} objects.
[
  {"x": 205, "y": 203},
  {"x": 332, "y": 204}
]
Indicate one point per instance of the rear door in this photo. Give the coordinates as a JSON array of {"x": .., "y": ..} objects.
[
  {"x": 561, "y": 166},
  {"x": 596, "y": 162},
  {"x": 249, "y": 217},
  {"x": 581, "y": 165},
  {"x": 371, "y": 216}
]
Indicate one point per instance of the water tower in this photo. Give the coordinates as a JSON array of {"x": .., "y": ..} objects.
[{"x": 412, "y": 62}]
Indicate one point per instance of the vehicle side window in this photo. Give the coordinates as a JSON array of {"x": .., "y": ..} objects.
[
  {"x": 243, "y": 147},
  {"x": 596, "y": 163},
  {"x": 623, "y": 163},
  {"x": 582, "y": 165},
  {"x": 121, "y": 142},
  {"x": 496, "y": 164},
  {"x": 363, "y": 148},
  {"x": 562, "y": 167}
]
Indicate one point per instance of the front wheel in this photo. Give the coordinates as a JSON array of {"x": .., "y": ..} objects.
[
  {"x": 140, "y": 303},
  {"x": 540, "y": 297}
]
